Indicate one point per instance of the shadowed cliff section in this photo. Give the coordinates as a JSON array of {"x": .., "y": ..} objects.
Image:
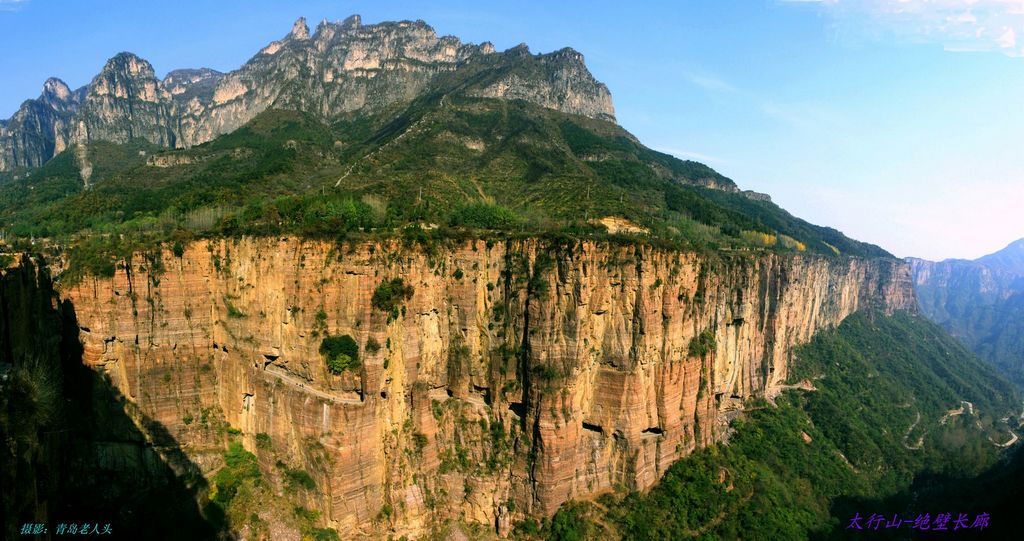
[{"x": 74, "y": 451}]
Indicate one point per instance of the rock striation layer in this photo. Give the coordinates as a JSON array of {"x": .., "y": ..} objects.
[
  {"x": 516, "y": 376},
  {"x": 342, "y": 68}
]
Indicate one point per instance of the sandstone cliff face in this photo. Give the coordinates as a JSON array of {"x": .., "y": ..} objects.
[
  {"x": 517, "y": 376},
  {"x": 342, "y": 68}
]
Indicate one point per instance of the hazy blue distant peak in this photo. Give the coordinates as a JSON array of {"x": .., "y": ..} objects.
[{"x": 1009, "y": 259}]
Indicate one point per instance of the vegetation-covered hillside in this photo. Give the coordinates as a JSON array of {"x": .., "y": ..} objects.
[{"x": 484, "y": 164}]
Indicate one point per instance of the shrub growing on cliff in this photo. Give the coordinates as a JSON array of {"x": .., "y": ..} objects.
[
  {"x": 390, "y": 295},
  {"x": 96, "y": 255},
  {"x": 233, "y": 311},
  {"x": 240, "y": 465},
  {"x": 324, "y": 534},
  {"x": 263, "y": 440},
  {"x": 419, "y": 441},
  {"x": 341, "y": 363},
  {"x": 299, "y": 479},
  {"x": 702, "y": 344},
  {"x": 340, "y": 352}
]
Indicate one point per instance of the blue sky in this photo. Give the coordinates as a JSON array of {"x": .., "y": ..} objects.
[{"x": 895, "y": 121}]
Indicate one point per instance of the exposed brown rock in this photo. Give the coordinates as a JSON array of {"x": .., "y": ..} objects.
[{"x": 581, "y": 353}]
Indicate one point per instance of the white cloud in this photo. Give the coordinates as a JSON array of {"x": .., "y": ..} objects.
[
  {"x": 959, "y": 25},
  {"x": 12, "y": 5},
  {"x": 710, "y": 83},
  {"x": 689, "y": 155},
  {"x": 1008, "y": 40}
]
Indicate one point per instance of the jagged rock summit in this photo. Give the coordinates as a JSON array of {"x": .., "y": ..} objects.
[{"x": 342, "y": 68}]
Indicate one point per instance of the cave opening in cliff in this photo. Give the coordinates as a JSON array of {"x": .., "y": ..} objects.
[
  {"x": 484, "y": 393},
  {"x": 654, "y": 430},
  {"x": 518, "y": 408},
  {"x": 593, "y": 428}
]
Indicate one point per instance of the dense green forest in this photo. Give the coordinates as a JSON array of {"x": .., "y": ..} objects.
[{"x": 876, "y": 436}]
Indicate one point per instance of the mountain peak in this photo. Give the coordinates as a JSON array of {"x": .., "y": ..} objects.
[
  {"x": 299, "y": 30},
  {"x": 570, "y": 53},
  {"x": 345, "y": 68},
  {"x": 521, "y": 49},
  {"x": 129, "y": 64},
  {"x": 352, "y": 22},
  {"x": 1009, "y": 259},
  {"x": 1016, "y": 245},
  {"x": 56, "y": 88}
]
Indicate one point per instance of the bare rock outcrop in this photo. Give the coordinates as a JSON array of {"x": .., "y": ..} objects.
[{"x": 341, "y": 68}]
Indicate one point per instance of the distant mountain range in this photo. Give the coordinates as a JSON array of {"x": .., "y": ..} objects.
[{"x": 979, "y": 301}]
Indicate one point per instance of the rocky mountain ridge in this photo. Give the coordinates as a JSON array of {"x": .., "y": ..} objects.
[{"x": 340, "y": 69}]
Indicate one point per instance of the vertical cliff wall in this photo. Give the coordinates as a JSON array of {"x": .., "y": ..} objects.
[{"x": 516, "y": 376}]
